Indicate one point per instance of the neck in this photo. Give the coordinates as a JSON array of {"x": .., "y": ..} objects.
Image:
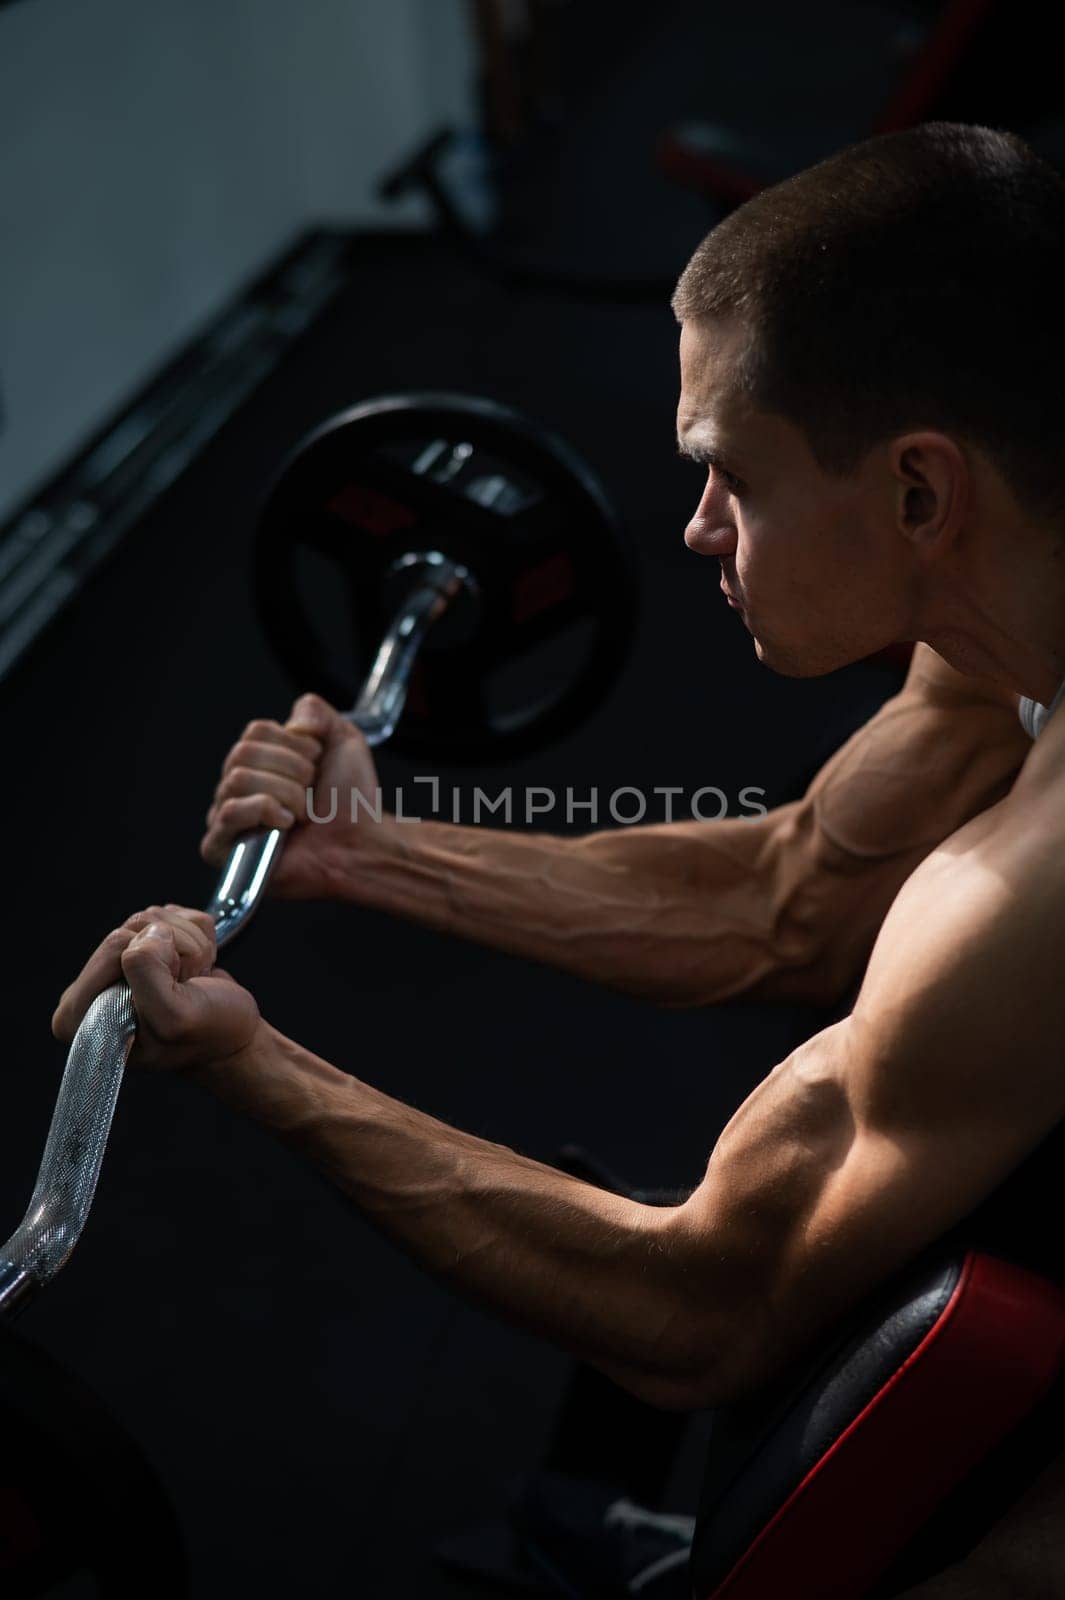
[{"x": 1002, "y": 616}]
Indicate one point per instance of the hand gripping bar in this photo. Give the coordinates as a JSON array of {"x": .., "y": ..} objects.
[{"x": 88, "y": 1092}]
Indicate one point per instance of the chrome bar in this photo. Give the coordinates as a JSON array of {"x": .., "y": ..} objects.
[
  {"x": 81, "y": 1121},
  {"x": 378, "y": 709}
]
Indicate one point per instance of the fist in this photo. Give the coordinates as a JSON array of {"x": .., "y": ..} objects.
[
  {"x": 265, "y": 783},
  {"x": 189, "y": 1013}
]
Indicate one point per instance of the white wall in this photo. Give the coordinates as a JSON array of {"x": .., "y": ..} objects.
[{"x": 154, "y": 153}]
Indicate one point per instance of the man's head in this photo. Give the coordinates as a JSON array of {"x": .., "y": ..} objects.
[{"x": 872, "y": 368}]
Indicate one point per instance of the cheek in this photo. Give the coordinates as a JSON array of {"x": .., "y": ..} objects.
[
  {"x": 754, "y": 544},
  {"x": 780, "y": 538},
  {"x": 774, "y": 559}
]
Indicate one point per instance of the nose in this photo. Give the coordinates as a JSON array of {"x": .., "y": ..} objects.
[{"x": 711, "y": 531}]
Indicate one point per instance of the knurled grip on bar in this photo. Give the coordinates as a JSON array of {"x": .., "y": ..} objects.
[{"x": 88, "y": 1092}]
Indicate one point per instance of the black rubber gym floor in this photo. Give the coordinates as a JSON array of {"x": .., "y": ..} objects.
[{"x": 320, "y": 1411}]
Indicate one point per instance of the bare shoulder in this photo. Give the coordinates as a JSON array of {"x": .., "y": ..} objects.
[
  {"x": 937, "y": 753},
  {"x": 963, "y": 992}
]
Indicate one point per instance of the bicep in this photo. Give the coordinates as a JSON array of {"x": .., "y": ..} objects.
[{"x": 884, "y": 1131}]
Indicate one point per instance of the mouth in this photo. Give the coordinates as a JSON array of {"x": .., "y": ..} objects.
[{"x": 731, "y": 598}]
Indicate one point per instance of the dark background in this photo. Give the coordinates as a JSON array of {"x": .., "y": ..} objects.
[{"x": 320, "y": 1411}]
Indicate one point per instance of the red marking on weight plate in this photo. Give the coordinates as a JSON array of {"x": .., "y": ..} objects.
[
  {"x": 374, "y": 513},
  {"x": 542, "y": 587}
]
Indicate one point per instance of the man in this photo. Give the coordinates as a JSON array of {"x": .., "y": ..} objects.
[{"x": 870, "y": 376}]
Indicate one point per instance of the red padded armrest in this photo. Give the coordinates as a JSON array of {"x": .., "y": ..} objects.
[{"x": 866, "y": 1447}]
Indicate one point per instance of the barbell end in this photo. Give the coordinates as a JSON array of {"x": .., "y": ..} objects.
[{"x": 17, "y": 1288}]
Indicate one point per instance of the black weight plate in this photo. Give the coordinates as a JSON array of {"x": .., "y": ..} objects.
[
  {"x": 77, "y": 1494},
  {"x": 489, "y": 488}
]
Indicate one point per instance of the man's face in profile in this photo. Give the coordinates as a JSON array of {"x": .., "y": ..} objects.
[{"x": 810, "y": 560}]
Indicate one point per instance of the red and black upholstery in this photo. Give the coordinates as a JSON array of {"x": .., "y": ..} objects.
[{"x": 822, "y": 1485}]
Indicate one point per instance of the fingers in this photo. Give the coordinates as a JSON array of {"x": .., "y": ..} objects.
[
  {"x": 268, "y": 760},
  {"x": 270, "y": 771},
  {"x": 192, "y": 940},
  {"x": 260, "y": 736},
  {"x": 279, "y": 763},
  {"x": 103, "y": 968},
  {"x": 277, "y": 760},
  {"x": 151, "y": 965},
  {"x": 193, "y": 936},
  {"x": 208, "y": 1019},
  {"x": 187, "y": 1010},
  {"x": 237, "y": 816},
  {"x": 313, "y": 716},
  {"x": 241, "y": 782}
]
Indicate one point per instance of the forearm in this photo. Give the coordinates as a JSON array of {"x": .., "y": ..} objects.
[
  {"x": 675, "y": 913},
  {"x": 594, "y": 1272},
  {"x": 784, "y": 906}
]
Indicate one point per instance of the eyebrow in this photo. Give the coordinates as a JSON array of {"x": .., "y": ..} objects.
[{"x": 706, "y": 457}]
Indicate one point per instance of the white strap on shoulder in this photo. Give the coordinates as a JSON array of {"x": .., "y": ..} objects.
[{"x": 1034, "y": 716}]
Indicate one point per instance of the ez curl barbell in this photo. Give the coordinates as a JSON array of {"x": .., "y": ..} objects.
[{"x": 457, "y": 576}]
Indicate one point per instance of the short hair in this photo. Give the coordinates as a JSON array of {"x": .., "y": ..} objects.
[{"x": 914, "y": 280}]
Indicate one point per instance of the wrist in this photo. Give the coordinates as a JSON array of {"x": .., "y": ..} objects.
[
  {"x": 235, "y": 1065},
  {"x": 358, "y": 865},
  {"x": 280, "y": 1085}
]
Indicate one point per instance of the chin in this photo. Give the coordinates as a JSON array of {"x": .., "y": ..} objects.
[{"x": 797, "y": 661}]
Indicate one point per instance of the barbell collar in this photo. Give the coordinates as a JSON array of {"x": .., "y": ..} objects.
[{"x": 384, "y": 694}]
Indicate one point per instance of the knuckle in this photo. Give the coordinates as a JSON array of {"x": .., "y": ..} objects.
[
  {"x": 233, "y": 758},
  {"x": 238, "y": 783},
  {"x": 190, "y": 918},
  {"x": 243, "y": 754},
  {"x": 260, "y": 728}
]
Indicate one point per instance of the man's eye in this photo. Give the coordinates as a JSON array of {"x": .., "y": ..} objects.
[{"x": 730, "y": 480}]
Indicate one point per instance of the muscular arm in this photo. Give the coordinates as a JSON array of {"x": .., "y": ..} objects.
[
  {"x": 557, "y": 1256},
  {"x": 862, "y": 1147},
  {"x": 882, "y": 1132},
  {"x": 784, "y": 906}
]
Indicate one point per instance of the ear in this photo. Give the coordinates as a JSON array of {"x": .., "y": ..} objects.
[{"x": 931, "y": 489}]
